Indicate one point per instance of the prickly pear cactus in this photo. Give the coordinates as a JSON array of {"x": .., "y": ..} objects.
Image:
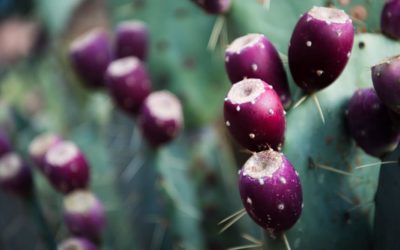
[{"x": 173, "y": 197}]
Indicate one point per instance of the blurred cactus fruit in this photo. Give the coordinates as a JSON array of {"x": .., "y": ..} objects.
[
  {"x": 161, "y": 118},
  {"x": 132, "y": 39},
  {"x": 15, "y": 175},
  {"x": 320, "y": 47},
  {"x": 214, "y": 6},
  {"x": 5, "y": 145},
  {"x": 90, "y": 55},
  {"x": 386, "y": 80},
  {"x": 84, "y": 214},
  {"x": 254, "y": 115},
  {"x": 254, "y": 56},
  {"x": 270, "y": 190},
  {"x": 128, "y": 83},
  {"x": 370, "y": 123},
  {"x": 390, "y": 19},
  {"x": 76, "y": 243},
  {"x": 66, "y": 167},
  {"x": 39, "y": 147}
]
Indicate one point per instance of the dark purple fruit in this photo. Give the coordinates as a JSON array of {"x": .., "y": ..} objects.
[
  {"x": 76, "y": 243},
  {"x": 390, "y": 19},
  {"x": 15, "y": 175},
  {"x": 214, "y": 6},
  {"x": 132, "y": 39}
]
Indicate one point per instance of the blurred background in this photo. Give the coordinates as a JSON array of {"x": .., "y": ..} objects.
[{"x": 174, "y": 197}]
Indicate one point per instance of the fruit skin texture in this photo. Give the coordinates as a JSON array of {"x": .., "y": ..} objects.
[
  {"x": 273, "y": 201},
  {"x": 390, "y": 19},
  {"x": 128, "y": 89},
  {"x": 214, "y": 6},
  {"x": 91, "y": 56},
  {"x": 84, "y": 215},
  {"x": 258, "y": 124},
  {"x": 370, "y": 123},
  {"x": 5, "y": 145},
  {"x": 132, "y": 39},
  {"x": 260, "y": 60},
  {"x": 386, "y": 80},
  {"x": 66, "y": 167},
  {"x": 18, "y": 182},
  {"x": 318, "y": 51},
  {"x": 156, "y": 129},
  {"x": 79, "y": 243},
  {"x": 45, "y": 142}
]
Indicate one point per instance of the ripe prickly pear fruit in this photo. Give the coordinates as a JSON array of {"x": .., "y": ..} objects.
[
  {"x": 390, "y": 19},
  {"x": 320, "y": 47},
  {"x": 370, "y": 123},
  {"x": 15, "y": 175},
  {"x": 39, "y": 147},
  {"x": 161, "y": 118},
  {"x": 254, "y": 56},
  {"x": 76, "y": 243},
  {"x": 214, "y": 6},
  {"x": 84, "y": 214},
  {"x": 270, "y": 190},
  {"x": 90, "y": 55},
  {"x": 386, "y": 79},
  {"x": 132, "y": 39},
  {"x": 66, "y": 167},
  {"x": 128, "y": 83},
  {"x": 254, "y": 115},
  {"x": 5, "y": 145}
]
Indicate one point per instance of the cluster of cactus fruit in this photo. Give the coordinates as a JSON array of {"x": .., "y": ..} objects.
[{"x": 121, "y": 69}]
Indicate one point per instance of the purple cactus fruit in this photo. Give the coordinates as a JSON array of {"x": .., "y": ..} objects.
[
  {"x": 66, "y": 167},
  {"x": 90, "y": 55},
  {"x": 15, "y": 175},
  {"x": 76, "y": 243},
  {"x": 370, "y": 123},
  {"x": 320, "y": 47},
  {"x": 254, "y": 115},
  {"x": 254, "y": 56},
  {"x": 129, "y": 83},
  {"x": 84, "y": 214},
  {"x": 214, "y": 6},
  {"x": 132, "y": 39},
  {"x": 270, "y": 190},
  {"x": 386, "y": 79},
  {"x": 5, "y": 145},
  {"x": 39, "y": 147},
  {"x": 390, "y": 19},
  {"x": 161, "y": 118}
]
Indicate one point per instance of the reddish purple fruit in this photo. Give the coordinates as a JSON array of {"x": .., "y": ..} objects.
[
  {"x": 390, "y": 19},
  {"x": 15, "y": 175},
  {"x": 90, "y": 55},
  {"x": 5, "y": 145},
  {"x": 320, "y": 47},
  {"x": 386, "y": 79},
  {"x": 214, "y": 6},
  {"x": 370, "y": 123},
  {"x": 161, "y": 118},
  {"x": 76, "y": 244},
  {"x": 84, "y": 214},
  {"x": 66, "y": 167},
  {"x": 254, "y": 115},
  {"x": 39, "y": 147},
  {"x": 254, "y": 56},
  {"x": 132, "y": 39},
  {"x": 270, "y": 190},
  {"x": 129, "y": 83}
]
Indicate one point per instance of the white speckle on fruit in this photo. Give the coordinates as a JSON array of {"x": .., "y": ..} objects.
[
  {"x": 237, "y": 108},
  {"x": 297, "y": 173},
  {"x": 228, "y": 123},
  {"x": 271, "y": 111},
  {"x": 348, "y": 55},
  {"x": 363, "y": 132},
  {"x": 226, "y": 58},
  {"x": 284, "y": 112},
  {"x": 281, "y": 206},
  {"x": 226, "y": 99},
  {"x": 319, "y": 72},
  {"x": 254, "y": 67},
  {"x": 252, "y": 136},
  {"x": 270, "y": 86},
  {"x": 375, "y": 106},
  {"x": 309, "y": 19},
  {"x": 253, "y": 101},
  {"x": 268, "y": 217},
  {"x": 249, "y": 201},
  {"x": 261, "y": 181},
  {"x": 302, "y": 205},
  {"x": 262, "y": 46},
  {"x": 338, "y": 33},
  {"x": 308, "y": 43},
  {"x": 378, "y": 74},
  {"x": 283, "y": 180}
]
